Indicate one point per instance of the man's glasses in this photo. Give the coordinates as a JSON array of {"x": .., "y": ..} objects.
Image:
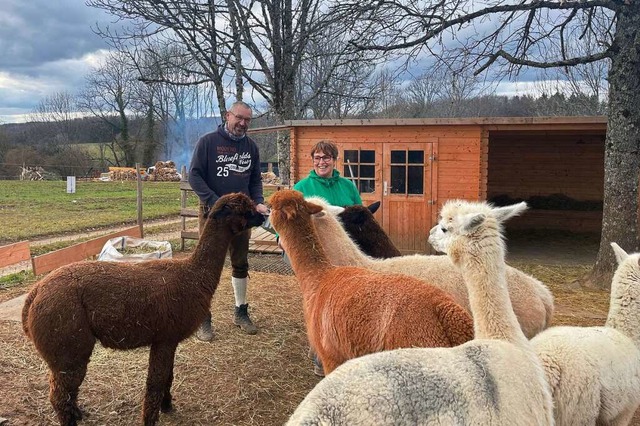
[
  {"x": 324, "y": 158},
  {"x": 241, "y": 118}
]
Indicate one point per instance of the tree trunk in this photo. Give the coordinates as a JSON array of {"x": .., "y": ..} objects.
[
  {"x": 622, "y": 149},
  {"x": 283, "y": 146}
]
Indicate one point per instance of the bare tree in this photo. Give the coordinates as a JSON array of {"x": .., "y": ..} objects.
[
  {"x": 385, "y": 93},
  {"x": 332, "y": 89},
  {"x": 177, "y": 102},
  {"x": 58, "y": 111},
  {"x": 421, "y": 94},
  {"x": 263, "y": 42},
  {"x": 575, "y": 90},
  {"x": 534, "y": 34},
  {"x": 109, "y": 94}
]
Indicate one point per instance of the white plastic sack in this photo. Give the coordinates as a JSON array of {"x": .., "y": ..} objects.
[{"x": 144, "y": 250}]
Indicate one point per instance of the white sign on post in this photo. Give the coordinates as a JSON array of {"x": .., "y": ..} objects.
[{"x": 71, "y": 184}]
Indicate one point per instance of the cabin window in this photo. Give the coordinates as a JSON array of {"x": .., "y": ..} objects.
[
  {"x": 407, "y": 172},
  {"x": 359, "y": 167}
]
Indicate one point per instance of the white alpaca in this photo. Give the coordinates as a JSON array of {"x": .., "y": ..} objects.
[
  {"x": 594, "y": 372},
  {"x": 495, "y": 379},
  {"x": 531, "y": 300}
]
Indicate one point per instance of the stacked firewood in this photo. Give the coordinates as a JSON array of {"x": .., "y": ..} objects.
[
  {"x": 122, "y": 173},
  {"x": 270, "y": 178},
  {"x": 165, "y": 171}
]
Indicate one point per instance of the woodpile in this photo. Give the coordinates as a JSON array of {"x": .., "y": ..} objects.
[
  {"x": 36, "y": 173},
  {"x": 122, "y": 173},
  {"x": 270, "y": 178},
  {"x": 32, "y": 173},
  {"x": 165, "y": 171}
]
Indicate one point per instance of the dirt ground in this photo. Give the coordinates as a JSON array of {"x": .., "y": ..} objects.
[{"x": 239, "y": 379}]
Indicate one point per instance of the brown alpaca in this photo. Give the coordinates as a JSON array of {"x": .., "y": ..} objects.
[
  {"x": 157, "y": 303},
  {"x": 349, "y": 311},
  {"x": 365, "y": 230}
]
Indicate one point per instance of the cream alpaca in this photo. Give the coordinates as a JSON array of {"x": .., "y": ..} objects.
[
  {"x": 495, "y": 379},
  {"x": 531, "y": 300},
  {"x": 594, "y": 372},
  {"x": 350, "y": 311}
]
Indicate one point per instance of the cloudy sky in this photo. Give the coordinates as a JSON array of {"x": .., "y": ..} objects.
[
  {"x": 48, "y": 46},
  {"x": 45, "y": 47}
]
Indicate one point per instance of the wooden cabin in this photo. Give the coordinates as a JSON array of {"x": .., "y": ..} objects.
[{"x": 414, "y": 165}]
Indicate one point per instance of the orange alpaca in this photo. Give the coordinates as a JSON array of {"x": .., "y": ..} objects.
[
  {"x": 350, "y": 311},
  {"x": 127, "y": 305}
]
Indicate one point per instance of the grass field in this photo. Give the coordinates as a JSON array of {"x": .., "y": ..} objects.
[{"x": 32, "y": 209}]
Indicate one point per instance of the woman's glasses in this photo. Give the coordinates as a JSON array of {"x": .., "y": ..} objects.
[{"x": 324, "y": 158}]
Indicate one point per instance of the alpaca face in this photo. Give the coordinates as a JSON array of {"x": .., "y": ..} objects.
[
  {"x": 456, "y": 219},
  {"x": 288, "y": 206},
  {"x": 239, "y": 210},
  {"x": 460, "y": 218},
  {"x": 356, "y": 215}
]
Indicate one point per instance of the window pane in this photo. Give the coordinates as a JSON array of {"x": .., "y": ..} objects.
[
  {"x": 398, "y": 180},
  {"x": 368, "y": 171},
  {"x": 398, "y": 157},
  {"x": 367, "y": 186},
  {"x": 416, "y": 157},
  {"x": 416, "y": 180},
  {"x": 350, "y": 155},
  {"x": 368, "y": 156},
  {"x": 350, "y": 171}
]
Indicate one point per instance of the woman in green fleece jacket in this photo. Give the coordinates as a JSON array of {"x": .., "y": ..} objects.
[{"x": 325, "y": 181}]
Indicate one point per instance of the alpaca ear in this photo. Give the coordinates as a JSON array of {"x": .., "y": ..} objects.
[
  {"x": 374, "y": 207},
  {"x": 621, "y": 255},
  {"x": 505, "y": 213},
  {"x": 335, "y": 210},
  {"x": 225, "y": 211},
  {"x": 312, "y": 208},
  {"x": 472, "y": 221}
]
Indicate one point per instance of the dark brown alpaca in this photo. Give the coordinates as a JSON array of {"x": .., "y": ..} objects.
[
  {"x": 349, "y": 311},
  {"x": 127, "y": 305},
  {"x": 365, "y": 230}
]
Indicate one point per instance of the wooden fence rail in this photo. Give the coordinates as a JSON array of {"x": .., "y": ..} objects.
[
  {"x": 50, "y": 261},
  {"x": 14, "y": 253}
]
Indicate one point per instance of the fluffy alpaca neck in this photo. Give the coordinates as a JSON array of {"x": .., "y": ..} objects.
[
  {"x": 339, "y": 247},
  {"x": 624, "y": 310},
  {"x": 211, "y": 249},
  {"x": 308, "y": 260},
  {"x": 483, "y": 269}
]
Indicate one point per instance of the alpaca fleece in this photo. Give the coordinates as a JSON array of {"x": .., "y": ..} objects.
[
  {"x": 351, "y": 311},
  {"x": 127, "y": 305},
  {"x": 495, "y": 379},
  {"x": 531, "y": 300}
]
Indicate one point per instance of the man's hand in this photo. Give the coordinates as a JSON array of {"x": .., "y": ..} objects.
[{"x": 262, "y": 209}]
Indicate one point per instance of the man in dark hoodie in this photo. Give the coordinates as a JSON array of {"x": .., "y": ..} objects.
[{"x": 225, "y": 161}]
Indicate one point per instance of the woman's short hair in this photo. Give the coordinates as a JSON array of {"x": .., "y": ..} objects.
[{"x": 326, "y": 147}]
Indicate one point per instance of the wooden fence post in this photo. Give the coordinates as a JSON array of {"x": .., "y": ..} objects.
[{"x": 139, "y": 199}]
